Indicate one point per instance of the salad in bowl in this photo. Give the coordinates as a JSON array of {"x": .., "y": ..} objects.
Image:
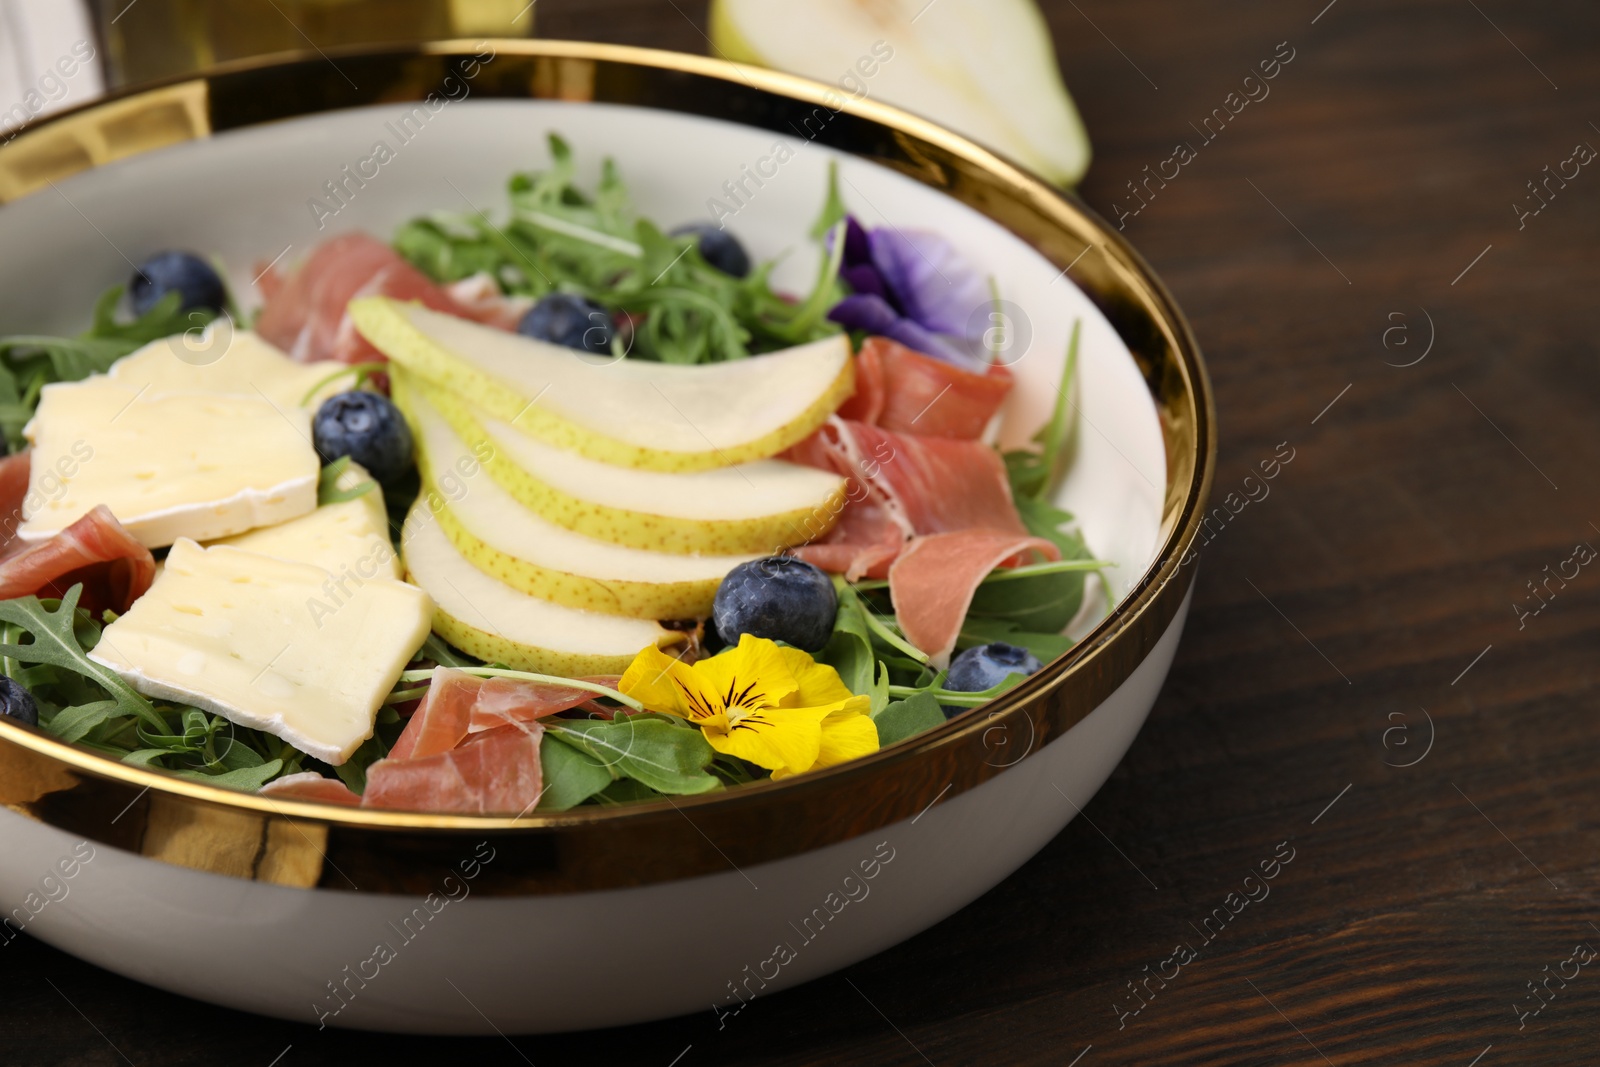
[{"x": 550, "y": 508}]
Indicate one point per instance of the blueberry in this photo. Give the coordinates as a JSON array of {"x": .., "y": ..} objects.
[
  {"x": 184, "y": 272},
  {"x": 369, "y": 429},
  {"x": 17, "y": 703},
  {"x": 570, "y": 321},
  {"x": 987, "y": 666},
  {"x": 718, "y": 247},
  {"x": 778, "y": 598}
]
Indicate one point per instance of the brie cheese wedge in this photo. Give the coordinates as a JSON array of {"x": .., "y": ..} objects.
[
  {"x": 270, "y": 644},
  {"x": 349, "y": 539},
  {"x": 223, "y": 359},
  {"x": 170, "y": 465}
]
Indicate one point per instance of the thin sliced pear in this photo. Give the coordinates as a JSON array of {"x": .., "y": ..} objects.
[
  {"x": 630, "y": 413},
  {"x": 486, "y": 618},
  {"x": 504, "y": 539},
  {"x": 760, "y": 507},
  {"x": 986, "y": 70}
]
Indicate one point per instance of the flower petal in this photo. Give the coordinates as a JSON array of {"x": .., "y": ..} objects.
[
  {"x": 659, "y": 682},
  {"x": 857, "y": 245},
  {"x": 866, "y": 281},
  {"x": 754, "y": 675},
  {"x": 784, "y": 740},
  {"x": 932, "y": 281},
  {"x": 817, "y": 683},
  {"x": 864, "y": 311},
  {"x": 847, "y": 734},
  {"x": 873, "y": 315}
]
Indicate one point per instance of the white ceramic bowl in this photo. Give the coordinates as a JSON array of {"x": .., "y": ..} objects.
[{"x": 363, "y": 919}]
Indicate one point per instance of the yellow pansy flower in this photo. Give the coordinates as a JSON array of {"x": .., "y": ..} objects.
[{"x": 763, "y": 702}]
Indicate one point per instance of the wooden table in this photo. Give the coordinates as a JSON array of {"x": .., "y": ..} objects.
[{"x": 1362, "y": 617}]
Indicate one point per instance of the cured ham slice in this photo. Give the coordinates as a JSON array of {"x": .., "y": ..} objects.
[
  {"x": 480, "y": 297},
  {"x": 461, "y": 705},
  {"x": 902, "y": 390},
  {"x": 14, "y": 471},
  {"x": 114, "y": 568},
  {"x": 503, "y": 701},
  {"x": 933, "y": 581},
  {"x": 309, "y": 785},
  {"x": 440, "y": 723},
  {"x": 495, "y": 774},
  {"x": 902, "y": 485},
  {"x": 304, "y": 313}
]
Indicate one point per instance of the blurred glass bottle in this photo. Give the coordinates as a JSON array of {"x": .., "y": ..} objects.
[{"x": 148, "y": 39}]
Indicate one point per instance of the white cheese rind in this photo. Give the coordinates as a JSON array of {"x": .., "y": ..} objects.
[
  {"x": 171, "y": 465},
  {"x": 269, "y": 644}
]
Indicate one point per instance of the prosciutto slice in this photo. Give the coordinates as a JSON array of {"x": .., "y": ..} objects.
[
  {"x": 933, "y": 581},
  {"x": 114, "y": 568},
  {"x": 900, "y": 389},
  {"x": 13, "y": 491},
  {"x": 460, "y": 706},
  {"x": 497, "y": 773},
  {"x": 900, "y": 486},
  {"x": 506, "y": 701},
  {"x": 440, "y": 723},
  {"x": 481, "y": 299},
  {"x": 304, "y": 312},
  {"x": 309, "y": 785}
]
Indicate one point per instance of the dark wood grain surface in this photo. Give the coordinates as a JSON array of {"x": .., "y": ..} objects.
[{"x": 1359, "y": 618}]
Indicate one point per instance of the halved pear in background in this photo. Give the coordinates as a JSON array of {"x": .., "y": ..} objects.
[{"x": 984, "y": 68}]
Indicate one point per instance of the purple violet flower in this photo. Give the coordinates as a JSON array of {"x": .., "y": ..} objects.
[{"x": 914, "y": 287}]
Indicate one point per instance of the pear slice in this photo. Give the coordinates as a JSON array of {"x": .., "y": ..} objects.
[
  {"x": 486, "y": 618},
  {"x": 760, "y": 507},
  {"x": 504, "y": 539},
  {"x": 630, "y": 413},
  {"x": 986, "y": 70}
]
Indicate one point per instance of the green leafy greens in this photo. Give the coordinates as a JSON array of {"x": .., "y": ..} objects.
[{"x": 678, "y": 307}]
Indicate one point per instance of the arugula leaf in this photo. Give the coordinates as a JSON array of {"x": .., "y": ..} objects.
[
  {"x": 55, "y": 642},
  {"x": 849, "y": 651},
  {"x": 661, "y": 755},
  {"x": 903, "y": 718},
  {"x": 626, "y": 791},
  {"x": 833, "y": 209},
  {"x": 74, "y": 723},
  {"x": 1040, "y": 603},
  {"x": 571, "y": 775},
  {"x": 1032, "y": 473},
  {"x": 1046, "y": 646},
  {"x": 247, "y": 779},
  {"x": 353, "y": 771}
]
